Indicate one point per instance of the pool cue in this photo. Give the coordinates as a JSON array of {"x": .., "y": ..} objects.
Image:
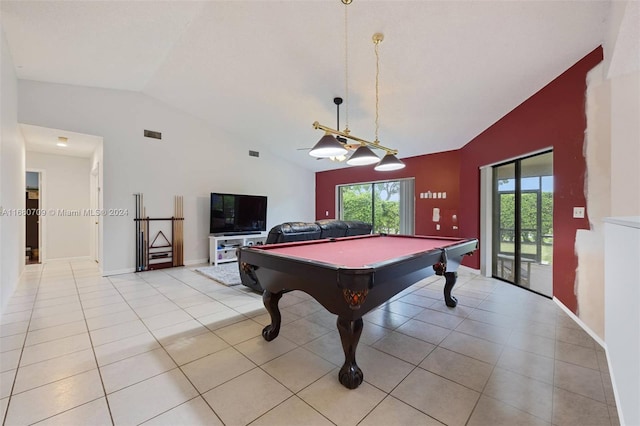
[
  {"x": 180, "y": 225},
  {"x": 145, "y": 257},
  {"x": 174, "y": 230},
  {"x": 135, "y": 197}
]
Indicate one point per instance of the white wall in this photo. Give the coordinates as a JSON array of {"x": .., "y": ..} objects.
[
  {"x": 192, "y": 160},
  {"x": 622, "y": 278},
  {"x": 65, "y": 192},
  {"x": 625, "y": 144},
  {"x": 622, "y": 243},
  {"x": 12, "y": 176},
  {"x": 623, "y": 72}
]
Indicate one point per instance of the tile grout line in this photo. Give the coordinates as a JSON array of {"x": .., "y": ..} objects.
[
  {"x": 35, "y": 298},
  {"x": 256, "y": 366},
  {"x": 417, "y": 366},
  {"x": 178, "y": 366},
  {"x": 104, "y": 391}
]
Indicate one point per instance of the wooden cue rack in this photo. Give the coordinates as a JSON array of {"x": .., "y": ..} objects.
[{"x": 159, "y": 251}]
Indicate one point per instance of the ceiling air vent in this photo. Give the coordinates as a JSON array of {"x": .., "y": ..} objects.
[
  {"x": 254, "y": 154},
  {"x": 153, "y": 135}
]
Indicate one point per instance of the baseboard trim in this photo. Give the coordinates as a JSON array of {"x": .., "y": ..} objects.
[
  {"x": 66, "y": 259},
  {"x": 195, "y": 262},
  {"x": 469, "y": 270},
  {"x": 616, "y": 396},
  {"x": 598, "y": 340},
  {"x": 118, "y": 272},
  {"x": 582, "y": 325}
]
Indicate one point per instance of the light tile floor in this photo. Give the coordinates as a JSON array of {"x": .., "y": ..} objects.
[{"x": 175, "y": 348}]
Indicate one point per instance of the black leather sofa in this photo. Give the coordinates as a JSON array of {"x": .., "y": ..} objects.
[{"x": 305, "y": 231}]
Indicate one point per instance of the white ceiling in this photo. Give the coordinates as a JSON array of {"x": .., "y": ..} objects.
[
  {"x": 264, "y": 71},
  {"x": 44, "y": 139}
]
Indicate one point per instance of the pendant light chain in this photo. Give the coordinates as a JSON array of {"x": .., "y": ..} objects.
[
  {"x": 376, "y": 43},
  {"x": 346, "y": 65},
  {"x": 330, "y": 147}
]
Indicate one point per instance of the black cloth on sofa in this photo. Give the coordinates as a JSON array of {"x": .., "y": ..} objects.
[
  {"x": 332, "y": 228},
  {"x": 357, "y": 227},
  {"x": 290, "y": 232}
]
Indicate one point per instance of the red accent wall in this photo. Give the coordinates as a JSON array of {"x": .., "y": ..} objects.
[
  {"x": 436, "y": 173},
  {"x": 554, "y": 117}
]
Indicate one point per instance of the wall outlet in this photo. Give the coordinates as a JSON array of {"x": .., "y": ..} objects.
[{"x": 578, "y": 212}]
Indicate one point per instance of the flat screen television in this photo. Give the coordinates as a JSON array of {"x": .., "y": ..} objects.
[{"x": 233, "y": 214}]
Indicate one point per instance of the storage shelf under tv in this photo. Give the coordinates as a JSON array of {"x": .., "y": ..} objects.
[{"x": 222, "y": 248}]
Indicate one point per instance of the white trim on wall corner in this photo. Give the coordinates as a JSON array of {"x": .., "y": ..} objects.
[
  {"x": 578, "y": 321},
  {"x": 616, "y": 396},
  {"x": 118, "y": 272},
  {"x": 598, "y": 340}
]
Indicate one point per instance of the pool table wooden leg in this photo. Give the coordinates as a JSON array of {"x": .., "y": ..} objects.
[
  {"x": 450, "y": 281},
  {"x": 271, "y": 300},
  {"x": 350, "y": 374}
]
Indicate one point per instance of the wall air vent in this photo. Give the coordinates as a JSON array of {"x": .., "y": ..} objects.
[
  {"x": 153, "y": 135},
  {"x": 254, "y": 154}
]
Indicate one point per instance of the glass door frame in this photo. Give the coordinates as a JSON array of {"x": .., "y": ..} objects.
[{"x": 487, "y": 199}]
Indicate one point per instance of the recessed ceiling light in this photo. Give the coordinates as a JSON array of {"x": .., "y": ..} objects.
[{"x": 62, "y": 141}]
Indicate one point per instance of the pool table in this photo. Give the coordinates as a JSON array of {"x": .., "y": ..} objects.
[{"x": 351, "y": 276}]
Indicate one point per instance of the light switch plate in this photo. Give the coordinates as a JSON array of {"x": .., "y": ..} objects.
[{"x": 578, "y": 212}]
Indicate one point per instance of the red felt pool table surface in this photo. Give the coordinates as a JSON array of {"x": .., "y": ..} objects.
[{"x": 358, "y": 252}]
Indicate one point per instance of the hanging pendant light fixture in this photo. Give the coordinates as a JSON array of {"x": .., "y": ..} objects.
[
  {"x": 328, "y": 146},
  {"x": 363, "y": 156},
  {"x": 390, "y": 161}
]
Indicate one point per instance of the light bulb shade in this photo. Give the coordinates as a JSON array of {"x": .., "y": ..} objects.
[
  {"x": 328, "y": 146},
  {"x": 363, "y": 156},
  {"x": 390, "y": 162}
]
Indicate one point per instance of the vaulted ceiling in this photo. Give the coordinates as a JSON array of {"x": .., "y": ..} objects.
[{"x": 264, "y": 71}]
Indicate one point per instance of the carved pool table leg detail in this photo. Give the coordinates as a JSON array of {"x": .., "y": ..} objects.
[
  {"x": 450, "y": 281},
  {"x": 350, "y": 374},
  {"x": 271, "y": 300}
]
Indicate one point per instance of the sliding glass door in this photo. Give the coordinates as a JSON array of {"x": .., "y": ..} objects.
[
  {"x": 388, "y": 205},
  {"x": 523, "y": 222}
]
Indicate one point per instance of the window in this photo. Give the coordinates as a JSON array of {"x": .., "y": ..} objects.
[{"x": 388, "y": 205}]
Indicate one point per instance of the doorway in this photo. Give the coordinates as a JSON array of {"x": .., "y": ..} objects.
[
  {"x": 68, "y": 200},
  {"x": 33, "y": 206},
  {"x": 523, "y": 222}
]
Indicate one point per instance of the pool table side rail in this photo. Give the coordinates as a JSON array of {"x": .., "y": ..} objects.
[
  {"x": 285, "y": 273},
  {"x": 260, "y": 256}
]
